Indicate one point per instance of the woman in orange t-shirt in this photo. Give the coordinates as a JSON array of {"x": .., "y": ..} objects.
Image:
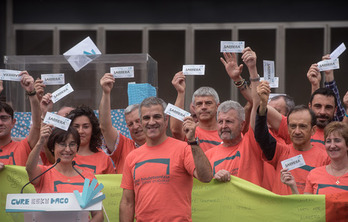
[
  {"x": 332, "y": 178},
  {"x": 62, "y": 178}
]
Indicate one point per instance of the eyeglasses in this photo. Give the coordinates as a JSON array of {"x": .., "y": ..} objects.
[
  {"x": 5, "y": 118},
  {"x": 71, "y": 145}
]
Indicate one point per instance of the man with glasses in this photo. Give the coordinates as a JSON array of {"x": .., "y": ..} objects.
[{"x": 12, "y": 152}]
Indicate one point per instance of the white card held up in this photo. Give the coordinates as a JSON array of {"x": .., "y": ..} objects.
[
  {"x": 328, "y": 64},
  {"x": 338, "y": 51},
  {"x": 122, "y": 72},
  {"x": 273, "y": 83},
  {"x": 85, "y": 47},
  {"x": 268, "y": 69},
  {"x": 57, "y": 121},
  {"x": 61, "y": 92},
  {"x": 10, "y": 75},
  {"x": 193, "y": 69},
  {"x": 293, "y": 162},
  {"x": 77, "y": 62},
  {"x": 53, "y": 79},
  {"x": 232, "y": 46},
  {"x": 176, "y": 112}
]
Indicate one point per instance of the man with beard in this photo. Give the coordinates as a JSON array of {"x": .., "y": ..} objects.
[
  {"x": 118, "y": 146},
  {"x": 157, "y": 177}
]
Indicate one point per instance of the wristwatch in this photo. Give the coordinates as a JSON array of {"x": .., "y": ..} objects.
[{"x": 196, "y": 142}]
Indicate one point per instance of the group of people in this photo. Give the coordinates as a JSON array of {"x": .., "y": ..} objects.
[{"x": 216, "y": 141}]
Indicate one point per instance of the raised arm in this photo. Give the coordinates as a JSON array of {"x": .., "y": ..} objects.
[
  {"x": 331, "y": 84},
  {"x": 32, "y": 167},
  {"x": 180, "y": 86},
  {"x": 46, "y": 104},
  {"x": 203, "y": 171},
  {"x": 110, "y": 133},
  {"x": 262, "y": 135},
  {"x": 345, "y": 102},
  {"x": 314, "y": 77},
  {"x": 27, "y": 82},
  {"x": 39, "y": 88},
  {"x": 234, "y": 71}
]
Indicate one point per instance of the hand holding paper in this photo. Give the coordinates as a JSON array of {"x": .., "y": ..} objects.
[{"x": 189, "y": 127}]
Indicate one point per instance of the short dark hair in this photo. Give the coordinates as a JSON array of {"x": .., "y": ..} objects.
[
  {"x": 325, "y": 92},
  {"x": 303, "y": 108},
  {"x": 7, "y": 108},
  {"x": 59, "y": 135},
  {"x": 83, "y": 110}
]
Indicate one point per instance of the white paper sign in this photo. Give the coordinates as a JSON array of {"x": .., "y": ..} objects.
[
  {"x": 61, "y": 92},
  {"x": 10, "y": 75},
  {"x": 268, "y": 69},
  {"x": 338, "y": 51},
  {"x": 122, "y": 72},
  {"x": 293, "y": 162},
  {"x": 193, "y": 69},
  {"x": 53, "y": 79},
  {"x": 77, "y": 56},
  {"x": 176, "y": 112},
  {"x": 273, "y": 83},
  {"x": 232, "y": 46},
  {"x": 57, "y": 121},
  {"x": 328, "y": 64}
]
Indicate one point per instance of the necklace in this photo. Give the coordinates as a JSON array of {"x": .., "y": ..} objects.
[{"x": 338, "y": 178}]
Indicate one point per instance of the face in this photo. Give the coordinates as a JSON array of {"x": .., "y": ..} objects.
[
  {"x": 279, "y": 105},
  {"x": 6, "y": 124},
  {"x": 299, "y": 127},
  {"x": 66, "y": 150},
  {"x": 154, "y": 122},
  {"x": 229, "y": 125},
  {"x": 83, "y": 125},
  {"x": 134, "y": 126},
  {"x": 205, "y": 108},
  {"x": 336, "y": 146},
  {"x": 324, "y": 109}
]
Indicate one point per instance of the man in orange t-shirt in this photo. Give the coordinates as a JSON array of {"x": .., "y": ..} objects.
[
  {"x": 118, "y": 146},
  {"x": 157, "y": 177},
  {"x": 17, "y": 152},
  {"x": 238, "y": 155},
  {"x": 301, "y": 126}
]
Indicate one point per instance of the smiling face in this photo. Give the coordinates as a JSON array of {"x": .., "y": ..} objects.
[
  {"x": 66, "y": 150},
  {"x": 324, "y": 109},
  {"x": 6, "y": 124},
  {"x": 83, "y": 125},
  {"x": 229, "y": 125},
  {"x": 154, "y": 123},
  {"x": 205, "y": 108},
  {"x": 336, "y": 146},
  {"x": 134, "y": 126}
]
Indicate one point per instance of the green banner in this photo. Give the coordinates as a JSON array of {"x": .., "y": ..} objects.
[{"x": 237, "y": 200}]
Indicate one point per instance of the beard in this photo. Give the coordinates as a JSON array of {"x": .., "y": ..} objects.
[{"x": 322, "y": 124}]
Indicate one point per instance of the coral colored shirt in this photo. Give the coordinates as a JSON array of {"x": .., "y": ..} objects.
[
  {"x": 315, "y": 157},
  {"x": 98, "y": 163},
  {"x": 161, "y": 177},
  {"x": 207, "y": 138},
  {"x": 243, "y": 160},
  {"x": 319, "y": 181},
  {"x": 55, "y": 182},
  {"x": 15, "y": 153}
]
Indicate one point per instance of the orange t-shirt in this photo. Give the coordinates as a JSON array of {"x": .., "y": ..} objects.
[
  {"x": 319, "y": 181},
  {"x": 315, "y": 157},
  {"x": 318, "y": 138},
  {"x": 161, "y": 177},
  {"x": 15, "y": 153},
  {"x": 122, "y": 149},
  {"x": 55, "y": 182},
  {"x": 98, "y": 163},
  {"x": 207, "y": 138},
  {"x": 243, "y": 160}
]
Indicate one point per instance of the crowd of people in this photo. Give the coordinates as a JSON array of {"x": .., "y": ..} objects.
[{"x": 216, "y": 142}]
